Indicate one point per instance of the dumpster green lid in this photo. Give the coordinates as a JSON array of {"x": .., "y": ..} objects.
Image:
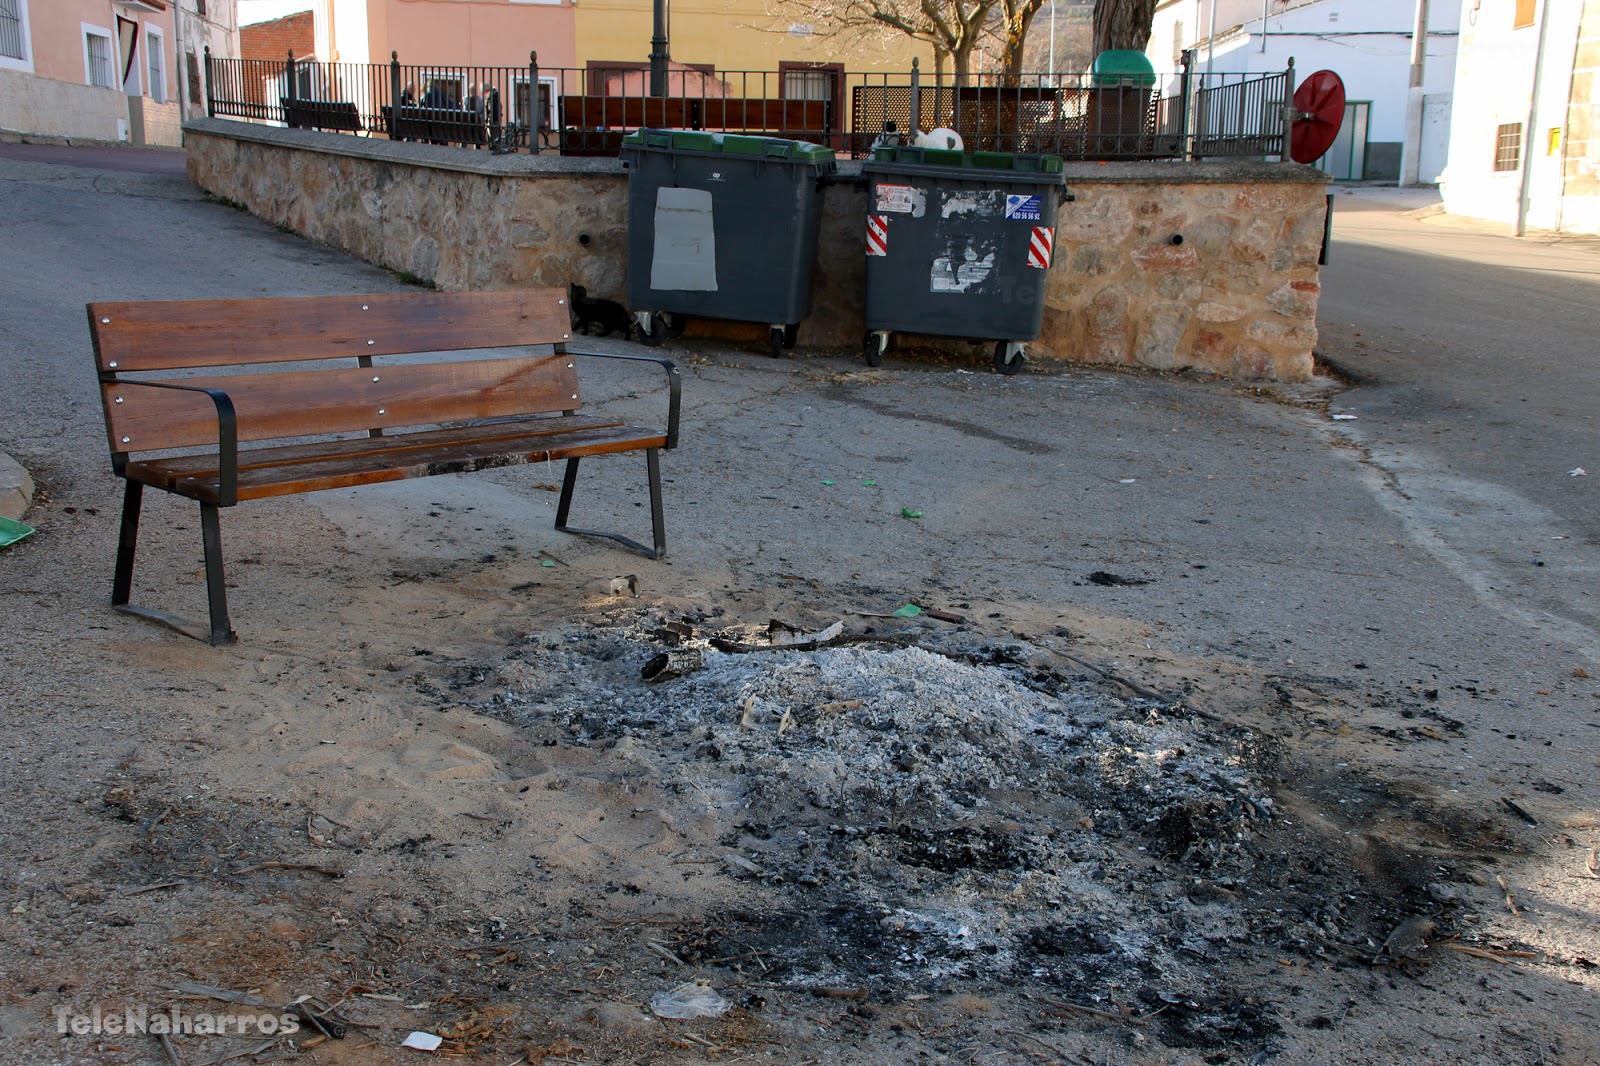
[
  {"x": 730, "y": 144},
  {"x": 1123, "y": 66},
  {"x": 1020, "y": 162}
]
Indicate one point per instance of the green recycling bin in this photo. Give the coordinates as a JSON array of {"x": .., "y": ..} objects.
[
  {"x": 960, "y": 245},
  {"x": 722, "y": 226}
]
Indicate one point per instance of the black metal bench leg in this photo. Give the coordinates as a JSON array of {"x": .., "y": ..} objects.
[
  {"x": 658, "y": 521},
  {"x": 122, "y": 583},
  {"x": 216, "y": 587},
  {"x": 216, "y": 591},
  {"x": 569, "y": 479},
  {"x": 569, "y": 482}
]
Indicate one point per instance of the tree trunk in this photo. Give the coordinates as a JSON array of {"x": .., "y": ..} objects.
[
  {"x": 1012, "y": 58},
  {"x": 1123, "y": 24}
]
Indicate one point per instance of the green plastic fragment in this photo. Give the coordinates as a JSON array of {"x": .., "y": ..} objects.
[
  {"x": 12, "y": 531},
  {"x": 548, "y": 562},
  {"x": 906, "y": 512},
  {"x": 868, "y": 481},
  {"x": 910, "y": 610},
  {"x": 827, "y": 481}
]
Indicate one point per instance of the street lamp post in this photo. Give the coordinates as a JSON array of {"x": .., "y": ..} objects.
[{"x": 658, "y": 51}]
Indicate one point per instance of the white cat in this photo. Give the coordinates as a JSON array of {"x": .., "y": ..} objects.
[{"x": 943, "y": 137}]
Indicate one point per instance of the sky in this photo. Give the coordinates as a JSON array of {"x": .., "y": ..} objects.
[{"x": 251, "y": 11}]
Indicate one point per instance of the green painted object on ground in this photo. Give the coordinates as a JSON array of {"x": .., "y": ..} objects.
[{"x": 12, "y": 531}]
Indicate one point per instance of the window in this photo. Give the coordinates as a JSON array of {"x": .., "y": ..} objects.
[
  {"x": 521, "y": 109},
  {"x": 97, "y": 53},
  {"x": 1508, "y": 146},
  {"x": 1524, "y": 14},
  {"x": 14, "y": 35},
  {"x": 158, "y": 65},
  {"x": 1177, "y": 44}
]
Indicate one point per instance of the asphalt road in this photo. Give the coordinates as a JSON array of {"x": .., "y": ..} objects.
[
  {"x": 1370, "y": 587},
  {"x": 1479, "y": 361},
  {"x": 1398, "y": 552}
]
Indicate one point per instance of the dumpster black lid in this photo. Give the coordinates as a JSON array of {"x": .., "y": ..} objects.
[{"x": 1016, "y": 162}]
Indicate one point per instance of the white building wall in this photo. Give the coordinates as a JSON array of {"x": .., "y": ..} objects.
[
  {"x": 1366, "y": 42},
  {"x": 1494, "y": 87},
  {"x": 45, "y": 107},
  {"x": 217, "y": 29}
]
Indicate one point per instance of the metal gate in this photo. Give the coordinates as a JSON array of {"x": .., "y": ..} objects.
[{"x": 1346, "y": 160}]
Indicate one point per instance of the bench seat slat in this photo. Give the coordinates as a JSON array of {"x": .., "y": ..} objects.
[
  {"x": 165, "y": 334},
  {"x": 304, "y": 403},
  {"x": 393, "y": 445},
  {"x": 340, "y": 468}
]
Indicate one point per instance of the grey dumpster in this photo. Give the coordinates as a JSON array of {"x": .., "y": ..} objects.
[
  {"x": 722, "y": 226},
  {"x": 959, "y": 245}
]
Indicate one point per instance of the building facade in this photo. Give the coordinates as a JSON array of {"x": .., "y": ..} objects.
[
  {"x": 107, "y": 70},
  {"x": 1523, "y": 150},
  {"x": 1366, "y": 42}
]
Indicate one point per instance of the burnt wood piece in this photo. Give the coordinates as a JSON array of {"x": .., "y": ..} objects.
[
  {"x": 321, "y": 115},
  {"x": 466, "y": 394}
]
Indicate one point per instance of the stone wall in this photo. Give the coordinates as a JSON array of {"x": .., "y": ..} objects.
[{"x": 1209, "y": 265}]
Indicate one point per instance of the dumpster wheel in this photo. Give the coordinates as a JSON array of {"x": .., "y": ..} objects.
[
  {"x": 873, "y": 346},
  {"x": 1009, "y": 357},
  {"x": 676, "y": 322},
  {"x": 652, "y": 328},
  {"x": 781, "y": 338}
]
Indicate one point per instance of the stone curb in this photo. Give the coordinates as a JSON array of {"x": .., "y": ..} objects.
[{"x": 16, "y": 488}]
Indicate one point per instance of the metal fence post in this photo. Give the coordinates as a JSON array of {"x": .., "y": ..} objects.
[
  {"x": 536, "y": 119},
  {"x": 291, "y": 117},
  {"x": 916, "y": 99},
  {"x": 1185, "y": 135},
  {"x": 211, "y": 96},
  {"x": 1289, "y": 113}
]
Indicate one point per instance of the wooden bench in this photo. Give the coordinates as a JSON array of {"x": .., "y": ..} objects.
[
  {"x": 436, "y": 125},
  {"x": 462, "y": 407},
  {"x": 321, "y": 115}
]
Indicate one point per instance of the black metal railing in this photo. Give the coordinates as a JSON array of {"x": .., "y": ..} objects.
[{"x": 1187, "y": 115}]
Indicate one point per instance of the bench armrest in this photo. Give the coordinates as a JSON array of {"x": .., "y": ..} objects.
[
  {"x": 227, "y": 436},
  {"x": 674, "y": 384}
]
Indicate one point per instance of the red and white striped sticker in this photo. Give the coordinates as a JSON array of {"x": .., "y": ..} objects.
[
  {"x": 1041, "y": 246},
  {"x": 877, "y": 235}
]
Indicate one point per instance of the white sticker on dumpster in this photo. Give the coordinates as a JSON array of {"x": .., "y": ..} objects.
[
  {"x": 902, "y": 200},
  {"x": 964, "y": 266},
  {"x": 685, "y": 258},
  {"x": 970, "y": 203},
  {"x": 1022, "y": 207}
]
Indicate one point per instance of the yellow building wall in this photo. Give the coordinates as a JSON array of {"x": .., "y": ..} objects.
[{"x": 733, "y": 35}]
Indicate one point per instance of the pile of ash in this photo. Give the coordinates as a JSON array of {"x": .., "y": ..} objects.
[{"x": 927, "y": 820}]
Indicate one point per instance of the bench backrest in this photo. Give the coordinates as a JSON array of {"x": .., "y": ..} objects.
[
  {"x": 711, "y": 113},
  {"x": 151, "y": 336}
]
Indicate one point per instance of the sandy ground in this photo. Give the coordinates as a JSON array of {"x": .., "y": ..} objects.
[{"x": 1267, "y": 782}]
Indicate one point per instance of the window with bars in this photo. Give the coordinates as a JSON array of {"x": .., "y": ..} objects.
[
  {"x": 97, "y": 59},
  {"x": 12, "y": 43},
  {"x": 808, "y": 85},
  {"x": 1508, "y": 146}
]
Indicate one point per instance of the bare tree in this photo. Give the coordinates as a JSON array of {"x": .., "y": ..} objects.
[
  {"x": 1122, "y": 24},
  {"x": 1014, "y": 19},
  {"x": 952, "y": 28}
]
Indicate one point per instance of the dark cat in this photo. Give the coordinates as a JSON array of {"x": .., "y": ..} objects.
[{"x": 592, "y": 315}]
